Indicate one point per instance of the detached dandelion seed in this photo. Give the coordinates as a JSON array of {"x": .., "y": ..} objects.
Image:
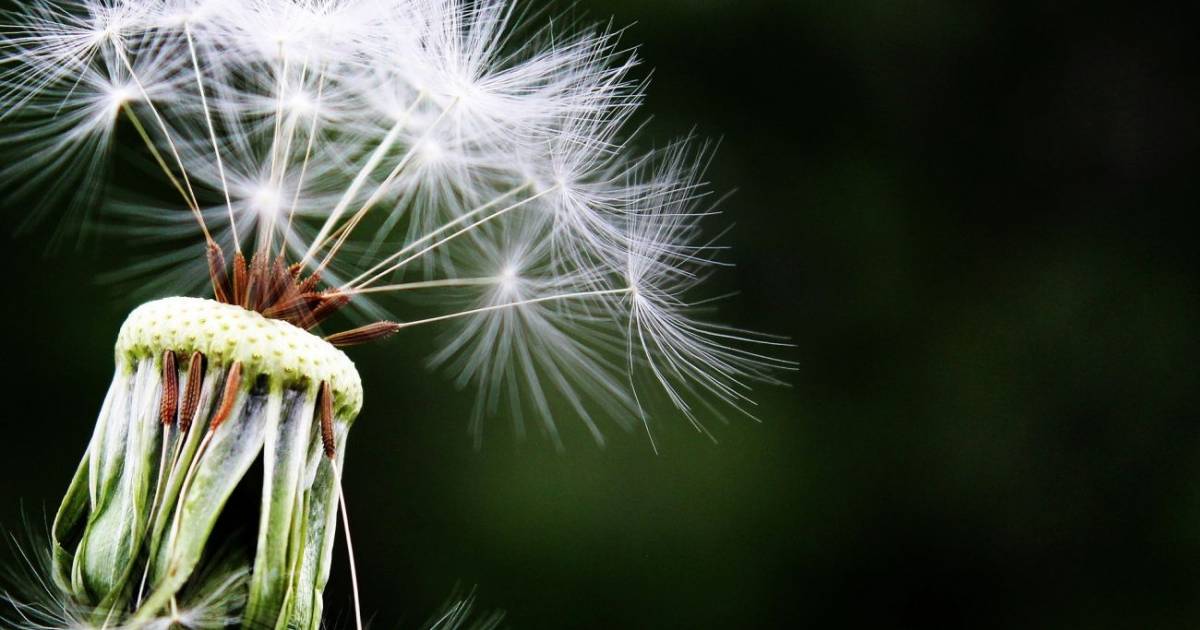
[{"x": 326, "y": 156}]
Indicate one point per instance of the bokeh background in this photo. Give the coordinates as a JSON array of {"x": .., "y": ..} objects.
[{"x": 970, "y": 219}]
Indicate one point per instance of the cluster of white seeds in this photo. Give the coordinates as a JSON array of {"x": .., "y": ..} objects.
[{"x": 443, "y": 150}]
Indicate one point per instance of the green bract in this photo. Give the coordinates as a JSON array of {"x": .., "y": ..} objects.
[{"x": 135, "y": 526}]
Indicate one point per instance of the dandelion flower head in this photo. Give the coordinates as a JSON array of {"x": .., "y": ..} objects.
[{"x": 464, "y": 164}]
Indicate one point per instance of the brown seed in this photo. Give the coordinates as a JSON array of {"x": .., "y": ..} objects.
[
  {"x": 364, "y": 334},
  {"x": 240, "y": 279},
  {"x": 310, "y": 283},
  {"x": 191, "y": 395},
  {"x": 326, "y": 396},
  {"x": 233, "y": 382},
  {"x": 331, "y": 302},
  {"x": 216, "y": 272},
  {"x": 294, "y": 307},
  {"x": 170, "y": 396},
  {"x": 257, "y": 283},
  {"x": 278, "y": 281}
]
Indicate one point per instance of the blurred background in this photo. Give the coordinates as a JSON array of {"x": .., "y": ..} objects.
[{"x": 969, "y": 217}]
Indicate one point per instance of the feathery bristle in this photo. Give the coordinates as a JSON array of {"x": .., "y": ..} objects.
[{"x": 350, "y": 150}]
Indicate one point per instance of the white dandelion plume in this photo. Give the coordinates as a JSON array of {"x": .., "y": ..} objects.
[
  {"x": 406, "y": 163},
  {"x": 65, "y": 82},
  {"x": 516, "y": 342},
  {"x": 459, "y": 613},
  {"x": 694, "y": 361}
]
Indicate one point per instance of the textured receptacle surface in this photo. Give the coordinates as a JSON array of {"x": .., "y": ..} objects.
[{"x": 225, "y": 334}]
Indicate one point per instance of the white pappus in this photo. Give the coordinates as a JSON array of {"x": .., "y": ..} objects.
[
  {"x": 444, "y": 160},
  {"x": 441, "y": 148}
]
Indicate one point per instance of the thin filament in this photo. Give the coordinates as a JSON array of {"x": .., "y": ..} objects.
[{"x": 212, "y": 134}]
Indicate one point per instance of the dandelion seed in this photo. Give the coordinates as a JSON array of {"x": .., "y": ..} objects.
[{"x": 324, "y": 157}]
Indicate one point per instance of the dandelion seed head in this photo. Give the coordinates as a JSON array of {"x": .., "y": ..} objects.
[
  {"x": 322, "y": 158},
  {"x": 446, "y": 149}
]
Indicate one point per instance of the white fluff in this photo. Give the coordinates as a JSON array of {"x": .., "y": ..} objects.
[{"x": 442, "y": 149}]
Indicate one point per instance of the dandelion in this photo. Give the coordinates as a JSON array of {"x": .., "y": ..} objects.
[{"x": 326, "y": 157}]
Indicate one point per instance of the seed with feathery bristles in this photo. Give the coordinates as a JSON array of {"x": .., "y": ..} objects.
[
  {"x": 364, "y": 334},
  {"x": 288, "y": 127},
  {"x": 345, "y": 152}
]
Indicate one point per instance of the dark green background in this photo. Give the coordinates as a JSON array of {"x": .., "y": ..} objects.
[{"x": 970, "y": 219}]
